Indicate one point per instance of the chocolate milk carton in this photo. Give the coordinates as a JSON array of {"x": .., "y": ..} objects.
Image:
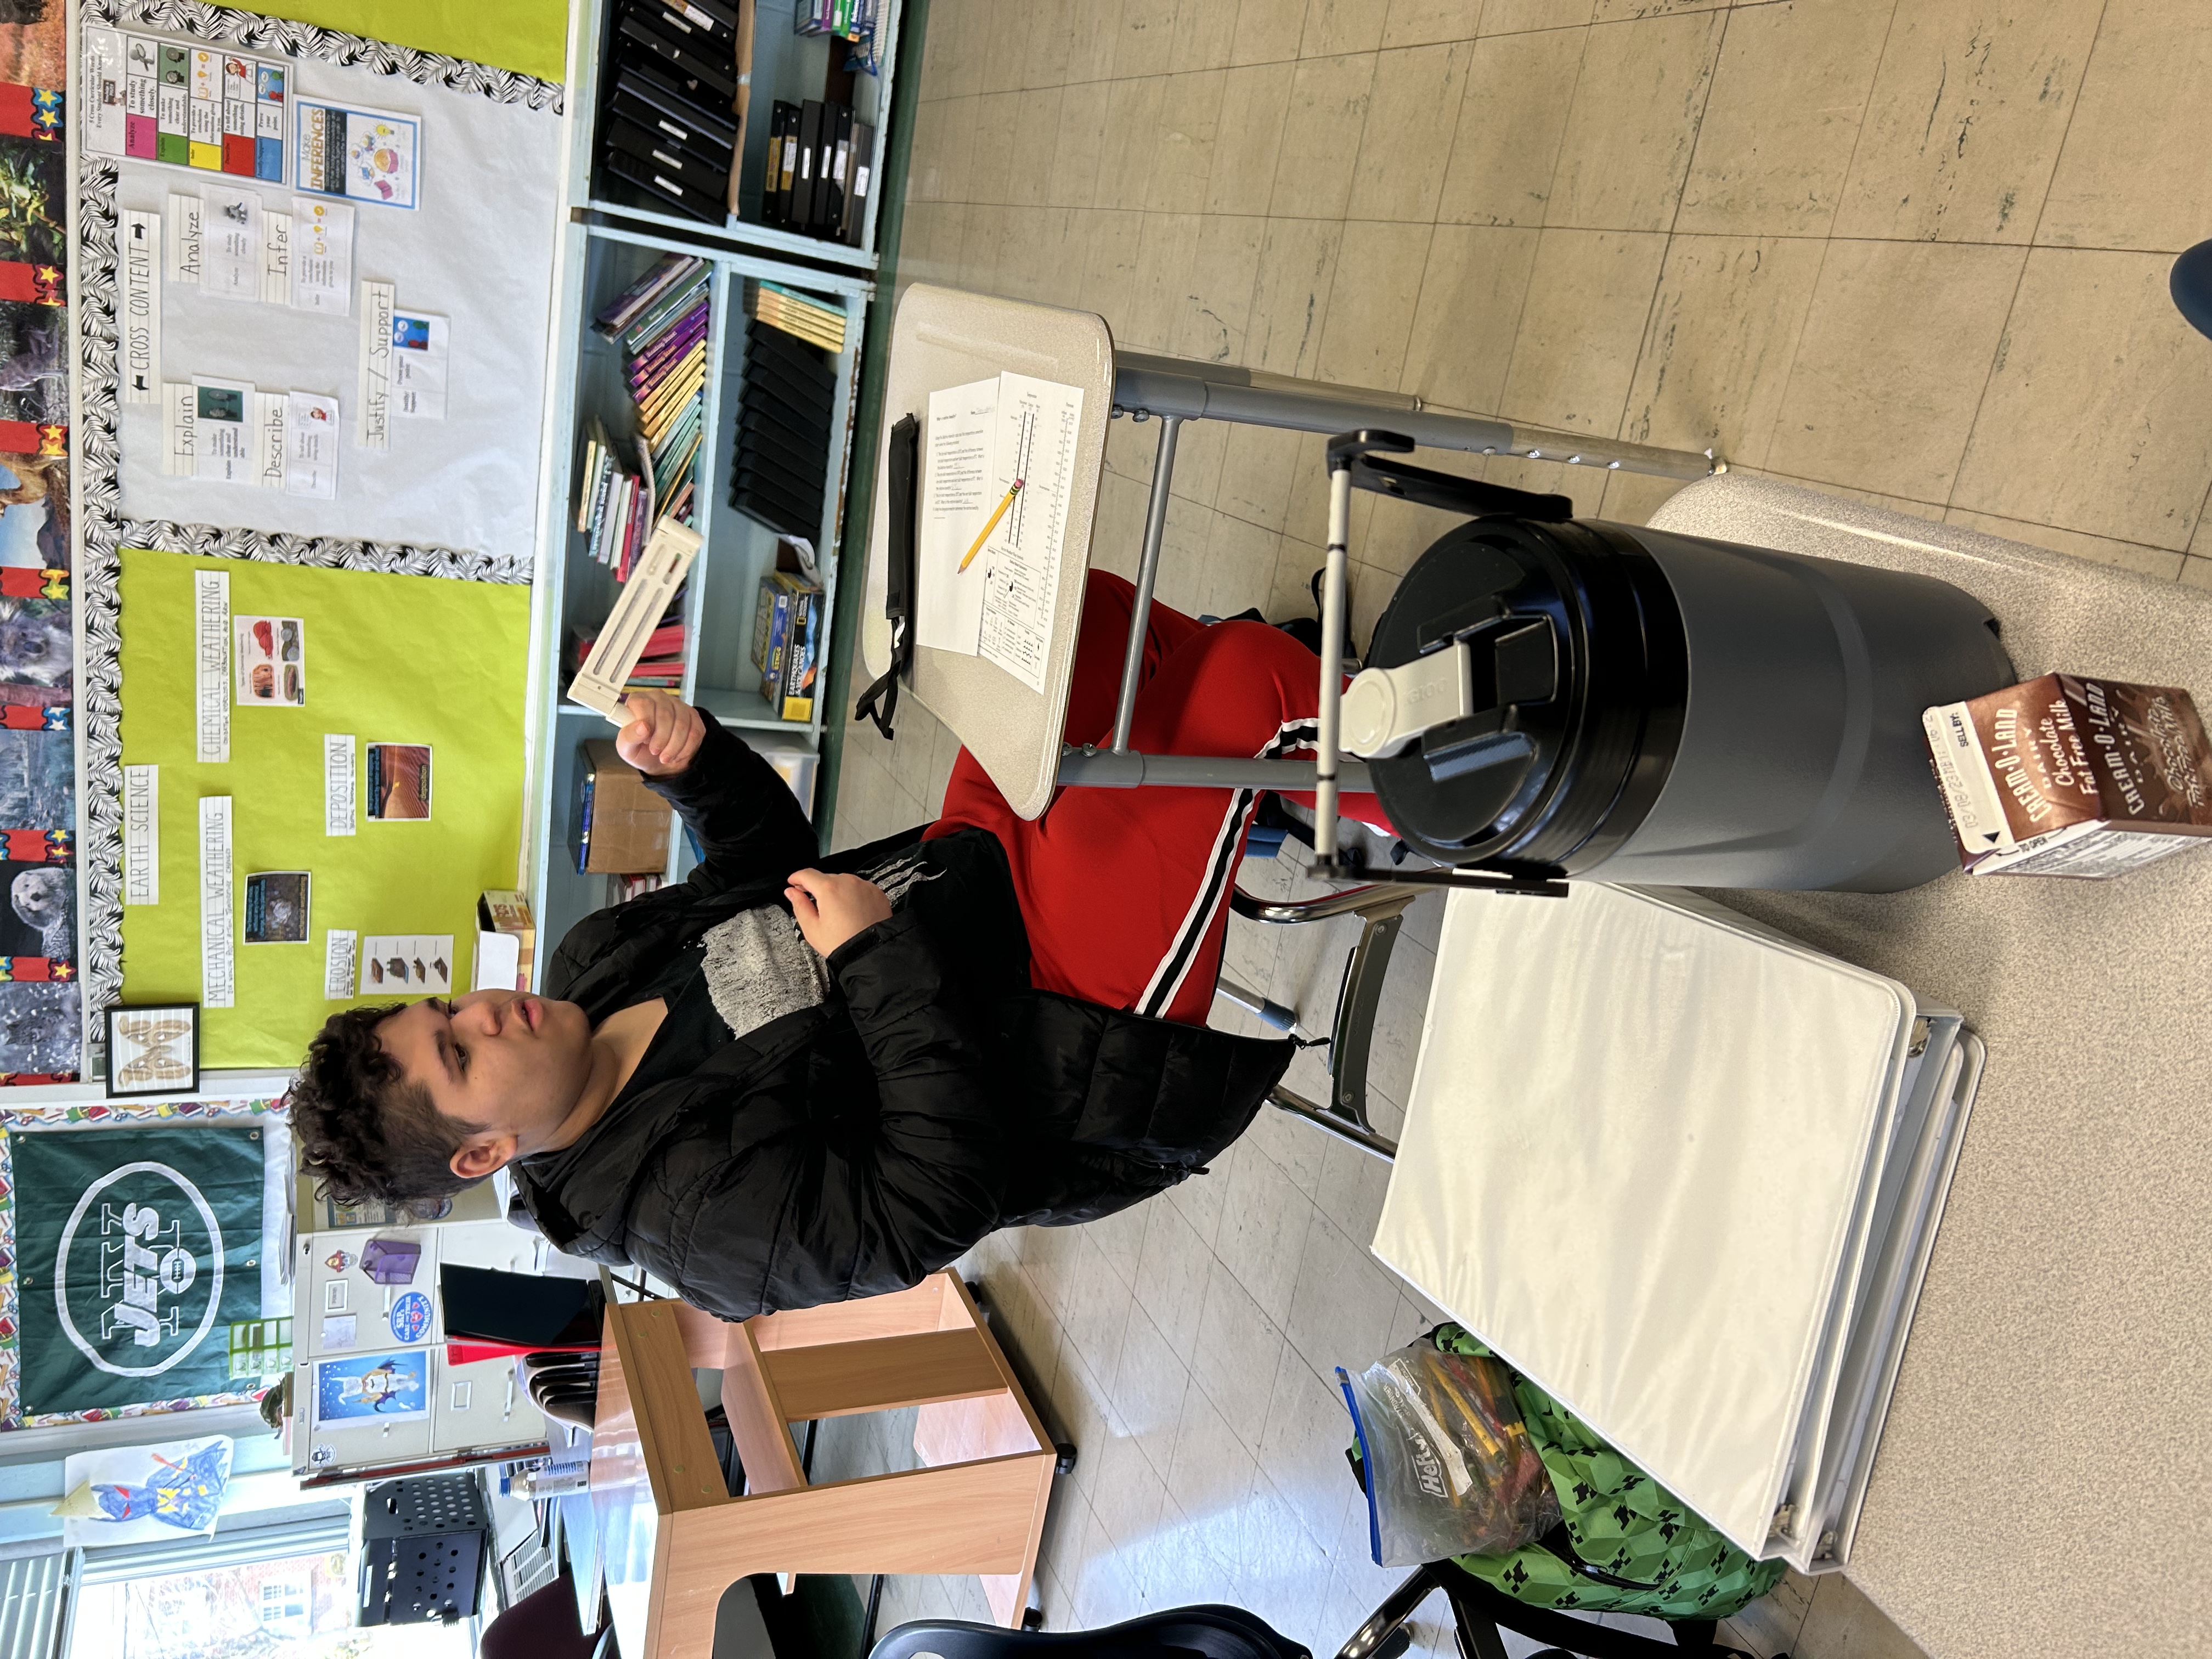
[{"x": 2071, "y": 777}]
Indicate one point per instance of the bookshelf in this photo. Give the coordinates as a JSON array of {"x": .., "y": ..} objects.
[
  {"x": 574, "y": 592},
  {"x": 786, "y": 66}
]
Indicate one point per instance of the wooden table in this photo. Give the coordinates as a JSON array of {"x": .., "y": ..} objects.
[{"x": 672, "y": 1539}]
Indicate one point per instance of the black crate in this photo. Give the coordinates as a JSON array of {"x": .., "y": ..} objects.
[{"x": 422, "y": 1550}]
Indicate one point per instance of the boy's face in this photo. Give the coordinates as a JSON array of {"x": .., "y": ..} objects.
[{"x": 511, "y": 1065}]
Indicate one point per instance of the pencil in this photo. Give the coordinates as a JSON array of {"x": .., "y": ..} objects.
[{"x": 989, "y": 527}]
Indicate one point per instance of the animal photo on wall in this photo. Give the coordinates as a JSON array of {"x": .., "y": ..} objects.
[
  {"x": 34, "y": 364},
  {"x": 37, "y": 780},
  {"x": 34, "y": 641},
  {"x": 40, "y": 918},
  {"x": 40, "y": 1030},
  {"x": 33, "y": 201},
  {"x": 34, "y": 508}
]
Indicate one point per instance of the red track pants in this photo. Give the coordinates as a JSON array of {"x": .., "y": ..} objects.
[{"x": 1126, "y": 891}]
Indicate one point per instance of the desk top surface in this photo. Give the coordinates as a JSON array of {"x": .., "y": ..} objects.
[
  {"x": 942, "y": 338},
  {"x": 623, "y": 1516},
  {"x": 2046, "y": 1452}
]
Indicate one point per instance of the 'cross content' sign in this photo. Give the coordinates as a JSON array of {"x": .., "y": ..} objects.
[{"x": 138, "y": 1249}]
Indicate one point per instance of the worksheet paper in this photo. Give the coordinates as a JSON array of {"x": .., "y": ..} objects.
[{"x": 983, "y": 438}]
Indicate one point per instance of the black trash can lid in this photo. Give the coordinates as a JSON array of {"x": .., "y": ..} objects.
[{"x": 1577, "y": 650}]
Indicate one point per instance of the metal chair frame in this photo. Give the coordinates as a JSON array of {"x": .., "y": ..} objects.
[
  {"x": 1479, "y": 1611},
  {"x": 1381, "y": 906}
]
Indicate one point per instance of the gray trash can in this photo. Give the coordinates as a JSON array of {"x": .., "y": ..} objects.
[{"x": 1690, "y": 712}]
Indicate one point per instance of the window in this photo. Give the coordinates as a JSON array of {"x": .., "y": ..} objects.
[{"x": 294, "y": 1607}]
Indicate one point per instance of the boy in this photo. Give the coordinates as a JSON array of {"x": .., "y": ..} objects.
[{"x": 781, "y": 1083}]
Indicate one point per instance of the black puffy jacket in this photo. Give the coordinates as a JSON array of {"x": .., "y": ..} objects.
[{"x": 856, "y": 1147}]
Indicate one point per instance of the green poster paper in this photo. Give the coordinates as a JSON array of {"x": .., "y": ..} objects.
[
  {"x": 527, "y": 36},
  {"x": 139, "y": 1248},
  {"x": 413, "y": 660}
]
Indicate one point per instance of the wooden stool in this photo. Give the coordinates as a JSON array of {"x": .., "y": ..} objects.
[{"x": 675, "y": 1540}]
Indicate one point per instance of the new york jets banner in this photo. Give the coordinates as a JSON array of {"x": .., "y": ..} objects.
[{"x": 137, "y": 1248}]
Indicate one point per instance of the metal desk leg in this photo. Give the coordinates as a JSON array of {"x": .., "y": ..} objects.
[
  {"x": 1335, "y": 1123},
  {"x": 1357, "y": 1002},
  {"x": 1148, "y": 570}
]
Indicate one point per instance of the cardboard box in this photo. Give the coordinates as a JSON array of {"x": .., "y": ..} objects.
[
  {"x": 2068, "y": 775},
  {"x": 504, "y": 910},
  {"x": 621, "y": 827},
  {"x": 503, "y": 914}
]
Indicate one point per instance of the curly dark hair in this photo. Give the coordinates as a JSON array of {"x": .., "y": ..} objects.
[{"x": 364, "y": 1131}]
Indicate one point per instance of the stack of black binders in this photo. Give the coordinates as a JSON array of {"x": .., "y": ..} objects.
[
  {"x": 782, "y": 465},
  {"x": 670, "y": 126},
  {"x": 819, "y": 163}
]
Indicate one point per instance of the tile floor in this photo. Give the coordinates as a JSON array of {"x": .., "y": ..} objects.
[{"x": 1911, "y": 250}]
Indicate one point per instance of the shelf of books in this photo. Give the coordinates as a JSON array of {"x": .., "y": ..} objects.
[
  {"x": 715, "y": 390},
  {"x": 759, "y": 121}
]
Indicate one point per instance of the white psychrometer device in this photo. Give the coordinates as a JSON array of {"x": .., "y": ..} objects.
[{"x": 660, "y": 571}]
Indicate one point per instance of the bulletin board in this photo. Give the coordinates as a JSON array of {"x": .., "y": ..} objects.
[
  {"x": 388, "y": 658},
  {"x": 418, "y": 567},
  {"x": 468, "y": 240}
]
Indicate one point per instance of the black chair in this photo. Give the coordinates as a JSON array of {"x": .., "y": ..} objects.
[
  {"x": 1214, "y": 1633},
  {"x": 1479, "y": 1611}
]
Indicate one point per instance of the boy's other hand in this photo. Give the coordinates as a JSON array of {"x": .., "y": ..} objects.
[
  {"x": 663, "y": 734},
  {"x": 833, "y": 909}
]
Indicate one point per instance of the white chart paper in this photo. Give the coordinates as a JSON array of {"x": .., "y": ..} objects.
[
  {"x": 338, "y": 785},
  {"x": 138, "y": 252},
  {"x": 211, "y": 609},
  {"x": 218, "y": 984},
  {"x": 983, "y": 438},
  {"x": 142, "y": 835},
  {"x": 378, "y": 304}
]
